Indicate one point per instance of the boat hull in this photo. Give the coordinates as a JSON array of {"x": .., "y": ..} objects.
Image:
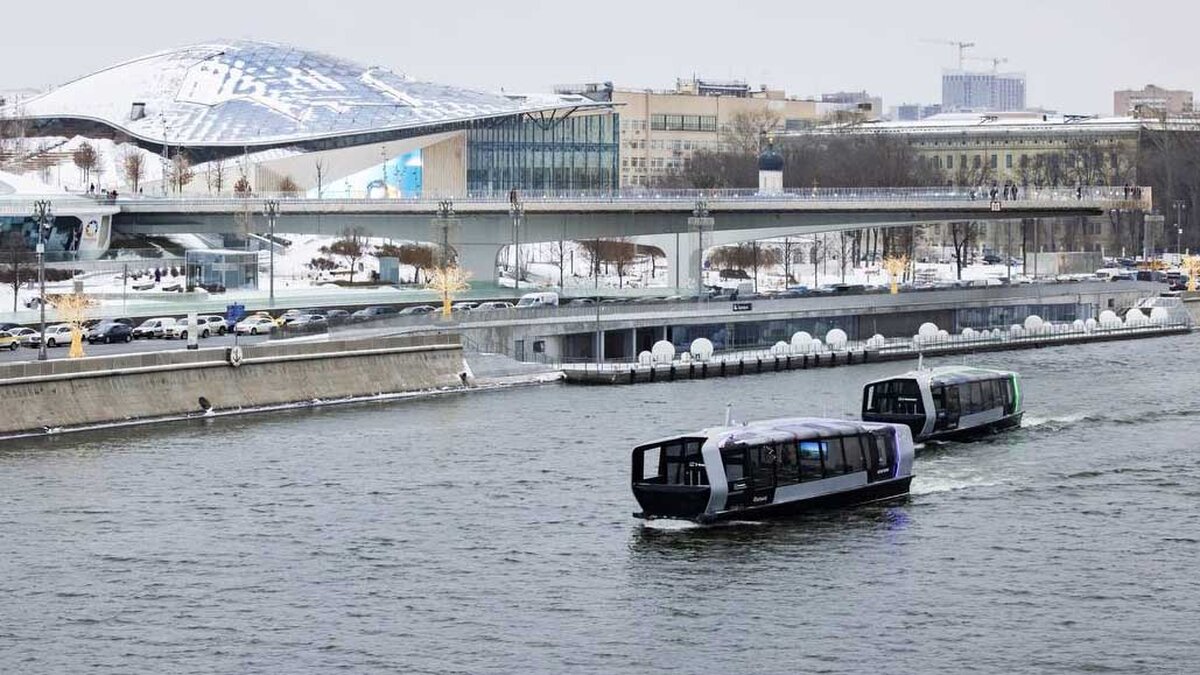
[
  {"x": 976, "y": 432},
  {"x": 896, "y": 488}
]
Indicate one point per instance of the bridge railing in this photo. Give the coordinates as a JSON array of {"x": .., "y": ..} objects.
[{"x": 983, "y": 195}]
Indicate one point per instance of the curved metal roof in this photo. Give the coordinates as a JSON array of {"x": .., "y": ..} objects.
[{"x": 249, "y": 93}]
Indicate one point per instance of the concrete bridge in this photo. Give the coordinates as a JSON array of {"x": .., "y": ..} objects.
[{"x": 480, "y": 225}]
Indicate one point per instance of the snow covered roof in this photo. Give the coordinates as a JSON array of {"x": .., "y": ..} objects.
[
  {"x": 972, "y": 123},
  {"x": 241, "y": 92}
]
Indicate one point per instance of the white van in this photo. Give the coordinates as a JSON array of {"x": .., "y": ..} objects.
[{"x": 538, "y": 300}]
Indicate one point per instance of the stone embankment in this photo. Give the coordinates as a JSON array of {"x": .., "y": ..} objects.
[{"x": 68, "y": 395}]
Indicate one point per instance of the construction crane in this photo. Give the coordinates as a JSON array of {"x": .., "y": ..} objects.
[
  {"x": 996, "y": 61},
  {"x": 962, "y": 48}
]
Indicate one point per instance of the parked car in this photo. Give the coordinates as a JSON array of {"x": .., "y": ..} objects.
[
  {"x": 183, "y": 327},
  {"x": 543, "y": 299},
  {"x": 372, "y": 313},
  {"x": 254, "y": 325},
  {"x": 462, "y": 306},
  {"x": 582, "y": 301},
  {"x": 23, "y": 334},
  {"x": 992, "y": 259},
  {"x": 58, "y": 334},
  {"x": 153, "y": 328},
  {"x": 418, "y": 309},
  {"x": 491, "y": 305},
  {"x": 336, "y": 316},
  {"x": 8, "y": 325},
  {"x": 9, "y": 341},
  {"x": 213, "y": 323},
  {"x": 110, "y": 331},
  {"x": 307, "y": 322}
]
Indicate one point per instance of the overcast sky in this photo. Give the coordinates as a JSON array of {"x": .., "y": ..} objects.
[{"x": 1074, "y": 52}]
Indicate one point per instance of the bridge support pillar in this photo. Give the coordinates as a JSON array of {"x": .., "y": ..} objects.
[
  {"x": 680, "y": 251},
  {"x": 480, "y": 261}
]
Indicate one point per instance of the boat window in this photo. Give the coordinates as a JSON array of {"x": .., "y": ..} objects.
[
  {"x": 895, "y": 397},
  {"x": 939, "y": 397},
  {"x": 788, "y": 469},
  {"x": 852, "y": 446},
  {"x": 683, "y": 464},
  {"x": 734, "y": 460},
  {"x": 884, "y": 450},
  {"x": 835, "y": 464},
  {"x": 975, "y": 389},
  {"x": 763, "y": 458},
  {"x": 650, "y": 471},
  {"x": 952, "y": 402},
  {"x": 810, "y": 460}
]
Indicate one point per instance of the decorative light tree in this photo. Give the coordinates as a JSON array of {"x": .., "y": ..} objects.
[
  {"x": 1191, "y": 265},
  {"x": 895, "y": 267},
  {"x": 448, "y": 281},
  {"x": 72, "y": 310}
]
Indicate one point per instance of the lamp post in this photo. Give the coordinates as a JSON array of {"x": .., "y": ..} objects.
[
  {"x": 699, "y": 220},
  {"x": 43, "y": 215},
  {"x": 1180, "y": 207},
  {"x": 516, "y": 208},
  {"x": 271, "y": 211}
]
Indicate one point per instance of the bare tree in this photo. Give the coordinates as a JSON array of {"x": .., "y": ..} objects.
[
  {"x": 182, "y": 172},
  {"x": 214, "y": 175},
  {"x": 85, "y": 158},
  {"x": 288, "y": 187},
  {"x": 133, "y": 167},
  {"x": 242, "y": 188},
  {"x": 962, "y": 233},
  {"x": 815, "y": 253},
  {"x": 351, "y": 247},
  {"x": 17, "y": 255},
  {"x": 319, "y": 167},
  {"x": 746, "y": 130}
]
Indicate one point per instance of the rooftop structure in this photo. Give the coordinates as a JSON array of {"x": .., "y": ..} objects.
[{"x": 1152, "y": 100}]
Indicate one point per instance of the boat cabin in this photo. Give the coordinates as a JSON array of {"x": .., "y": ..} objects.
[
  {"x": 946, "y": 402},
  {"x": 770, "y": 468}
]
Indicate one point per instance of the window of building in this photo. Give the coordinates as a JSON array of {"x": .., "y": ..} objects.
[
  {"x": 1008, "y": 162},
  {"x": 949, "y": 161},
  {"x": 993, "y": 161},
  {"x": 978, "y": 161}
]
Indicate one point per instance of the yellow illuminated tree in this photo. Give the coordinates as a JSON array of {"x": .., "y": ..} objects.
[
  {"x": 895, "y": 267},
  {"x": 73, "y": 309},
  {"x": 448, "y": 281},
  {"x": 1190, "y": 264}
]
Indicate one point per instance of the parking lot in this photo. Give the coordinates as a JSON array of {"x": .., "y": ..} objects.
[{"x": 146, "y": 345}]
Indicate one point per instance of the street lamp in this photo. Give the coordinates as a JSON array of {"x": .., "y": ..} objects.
[
  {"x": 271, "y": 211},
  {"x": 699, "y": 220},
  {"x": 43, "y": 216},
  {"x": 1180, "y": 207},
  {"x": 516, "y": 208}
]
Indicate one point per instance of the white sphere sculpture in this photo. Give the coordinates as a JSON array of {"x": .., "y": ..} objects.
[
  {"x": 815, "y": 346},
  {"x": 781, "y": 348},
  {"x": 1033, "y": 323},
  {"x": 663, "y": 351},
  {"x": 1134, "y": 317},
  {"x": 1090, "y": 325},
  {"x": 943, "y": 334},
  {"x": 800, "y": 341},
  {"x": 928, "y": 330},
  {"x": 1016, "y": 331},
  {"x": 1160, "y": 315},
  {"x": 645, "y": 359},
  {"x": 701, "y": 349},
  {"x": 876, "y": 341},
  {"x": 836, "y": 338},
  {"x": 1078, "y": 325},
  {"x": 970, "y": 334},
  {"x": 1109, "y": 319},
  {"x": 685, "y": 358}
]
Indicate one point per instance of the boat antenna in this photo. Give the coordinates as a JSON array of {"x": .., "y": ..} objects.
[
  {"x": 920, "y": 360},
  {"x": 728, "y": 414}
]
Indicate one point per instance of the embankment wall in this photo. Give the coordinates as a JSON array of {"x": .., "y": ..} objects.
[{"x": 62, "y": 394}]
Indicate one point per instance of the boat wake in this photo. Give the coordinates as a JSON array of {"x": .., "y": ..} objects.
[
  {"x": 922, "y": 485},
  {"x": 670, "y": 525}
]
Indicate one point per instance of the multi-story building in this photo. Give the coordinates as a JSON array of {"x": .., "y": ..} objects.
[
  {"x": 661, "y": 130},
  {"x": 1152, "y": 100},
  {"x": 911, "y": 112},
  {"x": 967, "y": 91}
]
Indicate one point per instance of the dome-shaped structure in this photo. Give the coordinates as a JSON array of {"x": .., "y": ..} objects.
[{"x": 244, "y": 93}]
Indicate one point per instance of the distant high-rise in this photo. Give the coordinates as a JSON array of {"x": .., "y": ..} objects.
[
  {"x": 964, "y": 90},
  {"x": 1151, "y": 99}
]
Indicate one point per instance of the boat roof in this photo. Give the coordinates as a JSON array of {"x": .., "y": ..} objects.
[
  {"x": 778, "y": 430},
  {"x": 948, "y": 375}
]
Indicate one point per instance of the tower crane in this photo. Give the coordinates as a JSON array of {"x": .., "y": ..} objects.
[
  {"x": 996, "y": 61},
  {"x": 962, "y": 48}
]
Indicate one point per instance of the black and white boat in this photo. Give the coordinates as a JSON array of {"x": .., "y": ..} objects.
[
  {"x": 946, "y": 403},
  {"x": 771, "y": 468}
]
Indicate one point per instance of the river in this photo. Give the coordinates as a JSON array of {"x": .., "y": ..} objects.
[{"x": 492, "y": 533}]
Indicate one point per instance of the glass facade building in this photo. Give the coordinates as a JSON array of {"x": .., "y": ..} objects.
[
  {"x": 64, "y": 233},
  {"x": 222, "y": 267},
  {"x": 579, "y": 152}
]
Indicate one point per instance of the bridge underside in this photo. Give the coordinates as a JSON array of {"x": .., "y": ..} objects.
[{"x": 479, "y": 237}]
